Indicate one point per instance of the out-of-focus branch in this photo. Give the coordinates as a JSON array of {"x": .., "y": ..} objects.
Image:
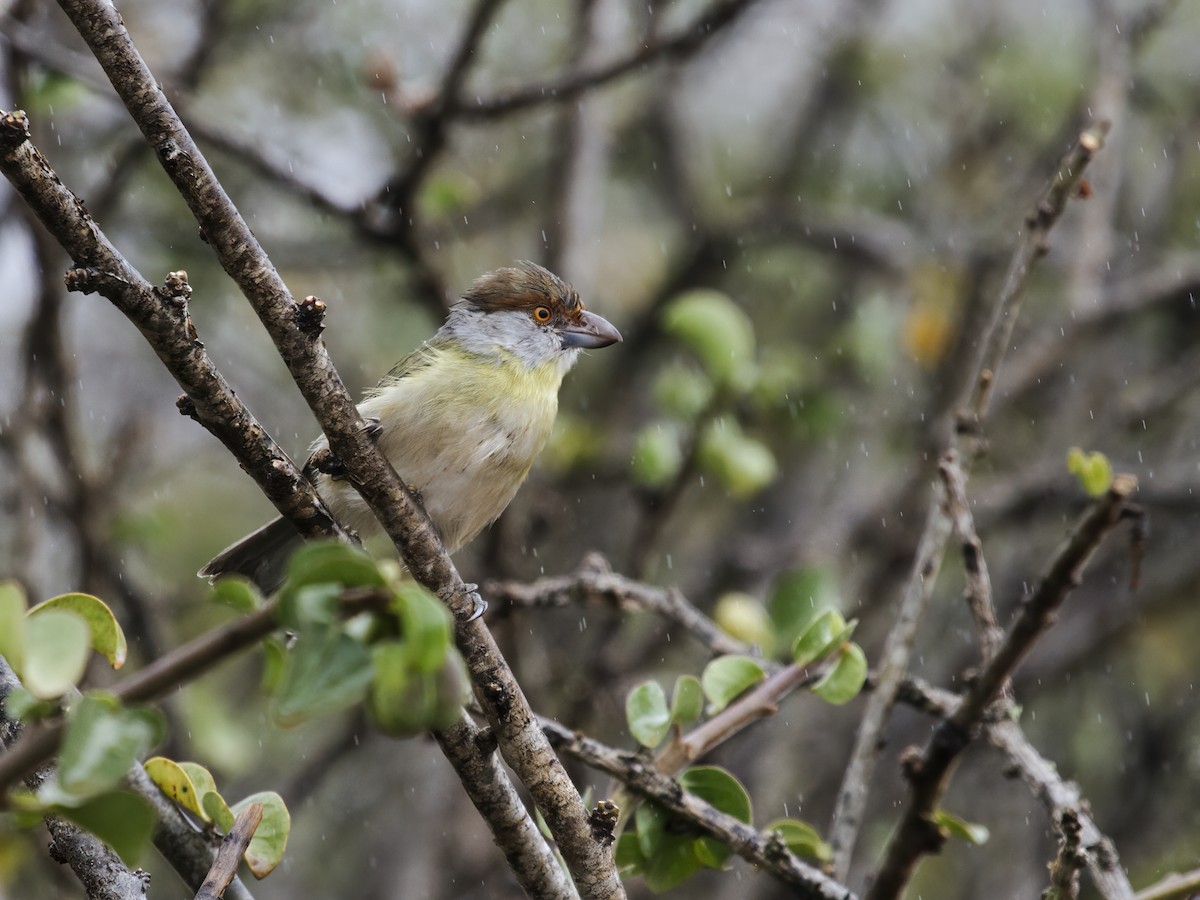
[
  {"x": 1031, "y": 244},
  {"x": 929, "y": 771},
  {"x": 680, "y": 45},
  {"x": 643, "y": 778},
  {"x": 1176, "y": 886}
]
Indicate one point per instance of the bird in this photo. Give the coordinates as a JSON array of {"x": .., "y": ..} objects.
[{"x": 462, "y": 418}]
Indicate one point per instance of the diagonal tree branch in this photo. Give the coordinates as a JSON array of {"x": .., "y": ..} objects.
[
  {"x": 929, "y": 771},
  {"x": 1031, "y": 245}
]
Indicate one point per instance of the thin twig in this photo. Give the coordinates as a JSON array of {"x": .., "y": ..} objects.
[
  {"x": 1031, "y": 244},
  {"x": 979, "y": 583},
  {"x": 680, "y": 45},
  {"x": 929, "y": 771},
  {"x": 225, "y": 866},
  {"x": 1044, "y": 780}
]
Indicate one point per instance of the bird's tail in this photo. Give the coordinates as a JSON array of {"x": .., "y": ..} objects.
[{"x": 261, "y": 555}]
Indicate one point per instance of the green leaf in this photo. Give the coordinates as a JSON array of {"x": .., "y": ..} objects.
[
  {"x": 274, "y": 664},
  {"x": 404, "y": 699},
  {"x": 1093, "y": 470},
  {"x": 319, "y": 562},
  {"x": 56, "y": 652},
  {"x": 317, "y": 574},
  {"x": 687, "y": 700},
  {"x": 717, "y": 330},
  {"x": 801, "y": 839},
  {"x": 239, "y": 592},
  {"x": 683, "y": 391},
  {"x": 326, "y": 671},
  {"x": 743, "y": 617},
  {"x": 657, "y": 455},
  {"x": 742, "y": 464},
  {"x": 121, "y": 819},
  {"x": 668, "y": 852},
  {"x": 628, "y": 856},
  {"x": 107, "y": 637},
  {"x": 21, "y": 705},
  {"x": 12, "y": 624},
  {"x": 953, "y": 826},
  {"x": 647, "y": 713},
  {"x": 820, "y": 637},
  {"x": 427, "y": 628},
  {"x": 270, "y": 839},
  {"x": 103, "y": 740},
  {"x": 217, "y": 811},
  {"x": 798, "y": 598},
  {"x": 174, "y": 781},
  {"x": 727, "y": 677},
  {"x": 842, "y": 683},
  {"x": 718, "y": 787}
]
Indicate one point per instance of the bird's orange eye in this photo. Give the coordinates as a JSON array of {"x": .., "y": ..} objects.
[{"x": 542, "y": 314}]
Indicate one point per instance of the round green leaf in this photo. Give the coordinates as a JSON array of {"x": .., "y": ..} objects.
[
  {"x": 270, "y": 839},
  {"x": 217, "y": 811},
  {"x": 745, "y": 618},
  {"x": 326, "y": 671},
  {"x": 819, "y": 638},
  {"x": 798, "y": 597},
  {"x": 727, "y": 677},
  {"x": 842, "y": 683},
  {"x": 687, "y": 700},
  {"x": 103, "y": 740},
  {"x": 743, "y": 465},
  {"x": 801, "y": 839},
  {"x": 12, "y": 624},
  {"x": 426, "y": 626},
  {"x": 682, "y": 391},
  {"x": 718, "y": 787},
  {"x": 238, "y": 592},
  {"x": 174, "y": 781},
  {"x": 717, "y": 330},
  {"x": 56, "y": 652},
  {"x": 657, "y": 455},
  {"x": 668, "y": 853},
  {"x": 1093, "y": 470},
  {"x": 954, "y": 826},
  {"x": 647, "y": 714},
  {"x": 107, "y": 637},
  {"x": 121, "y": 819},
  {"x": 404, "y": 699}
]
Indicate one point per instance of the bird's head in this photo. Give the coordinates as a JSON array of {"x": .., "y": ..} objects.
[{"x": 527, "y": 313}]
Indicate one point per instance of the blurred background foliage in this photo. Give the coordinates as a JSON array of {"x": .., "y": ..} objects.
[{"x": 796, "y": 216}]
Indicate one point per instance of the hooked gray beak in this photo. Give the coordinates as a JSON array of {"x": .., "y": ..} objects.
[{"x": 590, "y": 334}]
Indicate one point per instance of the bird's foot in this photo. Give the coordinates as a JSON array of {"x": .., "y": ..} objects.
[
  {"x": 325, "y": 462},
  {"x": 373, "y": 428},
  {"x": 470, "y": 592}
]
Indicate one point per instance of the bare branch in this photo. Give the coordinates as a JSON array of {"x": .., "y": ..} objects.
[
  {"x": 681, "y": 45},
  {"x": 1031, "y": 244},
  {"x": 929, "y": 771},
  {"x": 225, "y": 866}
]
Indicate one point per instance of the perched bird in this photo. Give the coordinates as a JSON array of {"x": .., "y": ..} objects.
[{"x": 462, "y": 418}]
